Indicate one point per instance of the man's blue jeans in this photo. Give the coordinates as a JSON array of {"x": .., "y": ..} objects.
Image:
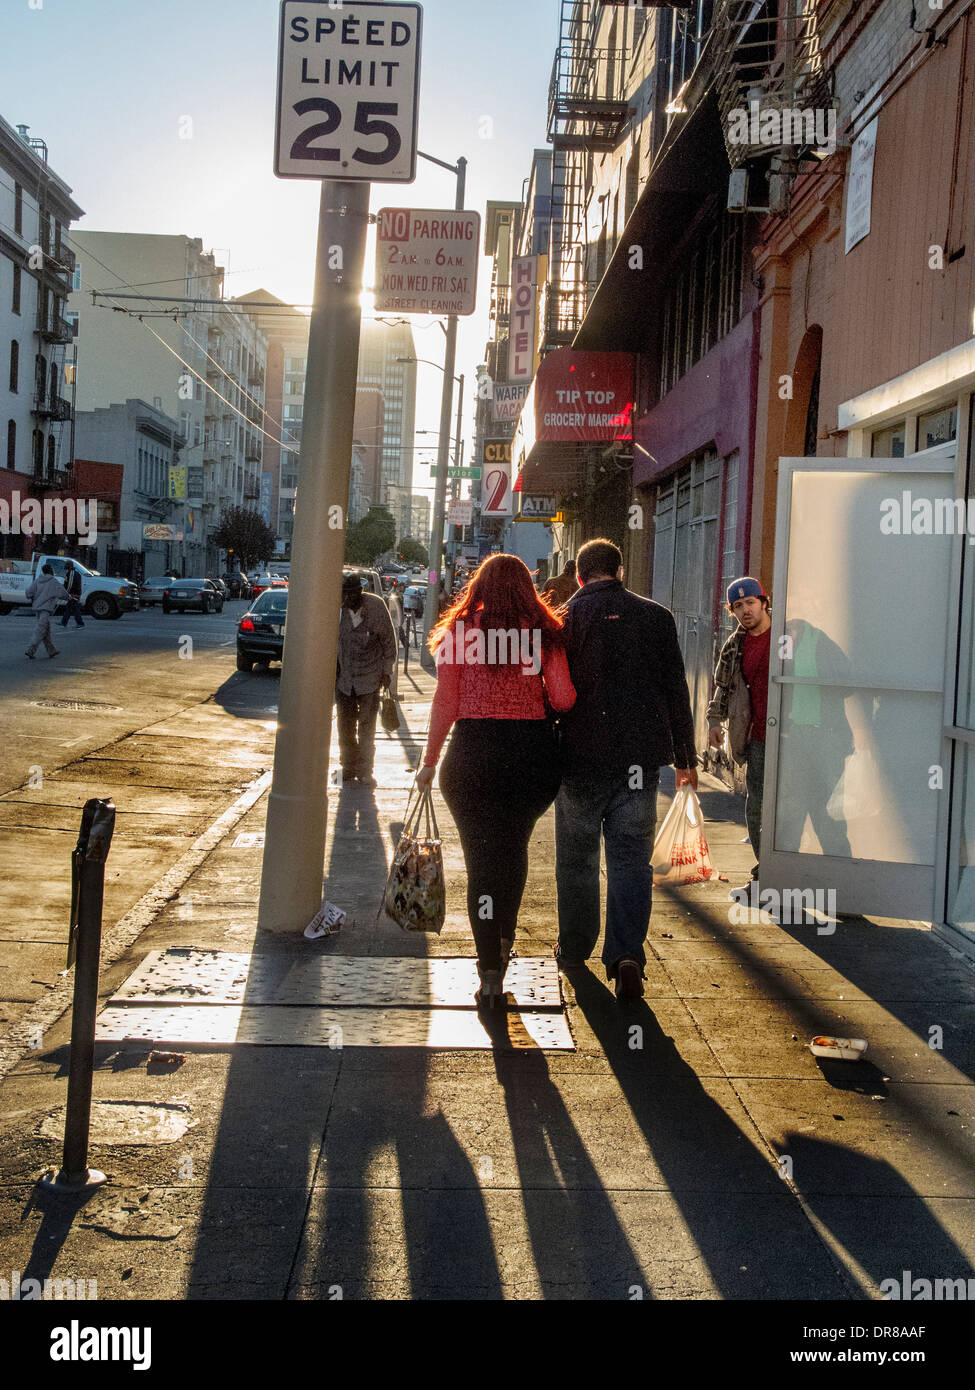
[{"x": 585, "y": 808}]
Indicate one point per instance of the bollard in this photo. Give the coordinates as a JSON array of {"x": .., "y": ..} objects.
[{"x": 84, "y": 949}]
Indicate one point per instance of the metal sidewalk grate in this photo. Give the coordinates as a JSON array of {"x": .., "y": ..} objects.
[
  {"x": 195, "y": 995},
  {"x": 193, "y": 975},
  {"x": 274, "y": 1026}
]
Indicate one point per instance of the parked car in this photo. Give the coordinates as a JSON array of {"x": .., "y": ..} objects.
[
  {"x": 222, "y": 587},
  {"x": 414, "y": 599},
  {"x": 153, "y": 589},
  {"x": 260, "y": 632},
  {"x": 239, "y": 584},
  {"x": 266, "y": 580},
  {"x": 201, "y": 594}
]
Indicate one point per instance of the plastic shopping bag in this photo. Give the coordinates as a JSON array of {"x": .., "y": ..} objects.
[{"x": 680, "y": 851}]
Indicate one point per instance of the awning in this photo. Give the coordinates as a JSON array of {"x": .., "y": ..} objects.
[
  {"x": 691, "y": 166},
  {"x": 579, "y": 402}
]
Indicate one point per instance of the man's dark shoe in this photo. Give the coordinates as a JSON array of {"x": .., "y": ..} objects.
[{"x": 629, "y": 981}]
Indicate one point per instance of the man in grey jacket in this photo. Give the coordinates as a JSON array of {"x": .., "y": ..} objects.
[
  {"x": 44, "y": 595},
  {"x": 367, "y": 653}
]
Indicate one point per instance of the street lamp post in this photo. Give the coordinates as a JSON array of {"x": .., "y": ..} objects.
[{"x": 431, "y": 610}]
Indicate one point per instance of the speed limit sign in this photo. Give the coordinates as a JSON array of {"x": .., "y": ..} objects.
[{"x": 348, "y": 91}]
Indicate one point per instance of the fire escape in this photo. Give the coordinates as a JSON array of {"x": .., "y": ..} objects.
[
  {"x": 770, "y": 65},
  {"x": 586, "y": 114}
]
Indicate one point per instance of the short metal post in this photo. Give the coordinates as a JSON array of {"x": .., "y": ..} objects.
[{"x": 88, "y": 888}]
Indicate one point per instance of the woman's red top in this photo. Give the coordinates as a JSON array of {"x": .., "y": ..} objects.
[{"x": 486, "y": 688}]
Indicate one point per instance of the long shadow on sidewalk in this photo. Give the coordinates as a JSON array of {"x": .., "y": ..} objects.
[{"x": 748, "y": 1229}]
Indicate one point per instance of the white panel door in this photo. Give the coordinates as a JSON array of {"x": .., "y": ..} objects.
[{"x": 856, "y": 689}]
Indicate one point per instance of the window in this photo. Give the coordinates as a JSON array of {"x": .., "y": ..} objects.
[
  {"x": 72, "y": 317},
  {"x": 76, "y": 277},
  {"x": 937, "y": 427},
  {"x": 704, "y": 301},
  {"x": 14, "y": 365},
  {"x": 18, "y": 209},
  {"x": 11, "y": 443},
  {"x": 15, "y": 301},
  {"x": 38, "y": 452},
  {"x": 52, "y": 450},
  {"x": 888, "y": 443}
]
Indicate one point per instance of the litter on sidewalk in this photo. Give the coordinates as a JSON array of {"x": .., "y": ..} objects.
[
  {"x": 850, "y": 1049},
  {"x": 327, "y": 921}
]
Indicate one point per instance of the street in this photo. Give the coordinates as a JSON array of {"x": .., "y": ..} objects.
[{"x": 110, "y": 716}]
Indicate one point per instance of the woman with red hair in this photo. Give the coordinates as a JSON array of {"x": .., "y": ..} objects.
[{"x": 501, "y": 666}]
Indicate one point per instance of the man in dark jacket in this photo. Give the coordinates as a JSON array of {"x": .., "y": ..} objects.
[
  {"x": 632, "y": 714},
  {"x": 72, "y": 609}
]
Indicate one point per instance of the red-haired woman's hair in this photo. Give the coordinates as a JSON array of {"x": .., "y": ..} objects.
[{"x": 503, "y": 596}]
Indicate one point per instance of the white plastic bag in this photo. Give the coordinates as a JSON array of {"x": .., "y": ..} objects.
[
  {"x": 856, "y": 796},
  {"x": 680, "y": 851}
]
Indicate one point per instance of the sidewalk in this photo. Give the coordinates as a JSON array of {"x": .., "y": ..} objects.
[{"x": 690, "y": 1147}]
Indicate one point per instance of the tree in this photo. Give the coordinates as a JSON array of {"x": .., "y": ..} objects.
[
  {"x": 413, "y": 552},
  {"x": 246, "y": 533},
  {"x": 368, "y": 538}
]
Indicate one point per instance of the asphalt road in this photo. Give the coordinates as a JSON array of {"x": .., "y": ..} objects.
[
  {"x": 149, "y": 710},
  {"x": 130, "y": 672}
]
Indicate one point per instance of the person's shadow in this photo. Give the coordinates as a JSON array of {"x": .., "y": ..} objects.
[{"x": 747, "y": 1228}]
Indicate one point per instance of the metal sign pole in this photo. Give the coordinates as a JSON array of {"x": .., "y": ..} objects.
[
  {"x": 294, "y": 846},
  {"x": 431, "y": 607}
]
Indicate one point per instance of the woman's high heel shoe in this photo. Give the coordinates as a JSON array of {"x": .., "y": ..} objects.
[{"x": 490, "y": 994}]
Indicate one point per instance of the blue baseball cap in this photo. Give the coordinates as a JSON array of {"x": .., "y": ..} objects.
[{"x": 746, "y": 587}]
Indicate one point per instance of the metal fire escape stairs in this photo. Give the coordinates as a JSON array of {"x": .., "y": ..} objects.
[
  {"x": 768, "y": 59},
  {"x": 586, "y": 114}
]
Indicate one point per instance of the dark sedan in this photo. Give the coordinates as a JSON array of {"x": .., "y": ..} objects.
[
  {"x": 153, "y": 589},
  {"x": 201, "y": 594},
  {"x": 260, "y": 633}
]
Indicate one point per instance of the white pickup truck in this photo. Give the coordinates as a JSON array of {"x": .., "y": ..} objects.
[{"x": 101, "y": 597}]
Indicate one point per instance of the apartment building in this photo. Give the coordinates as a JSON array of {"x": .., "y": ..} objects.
[
  {"x": 201, "y": 356},
  {"x": 36, "y": 337},
  {"x": 141, "y": 444},
  {"x": 387, "y": 361}
]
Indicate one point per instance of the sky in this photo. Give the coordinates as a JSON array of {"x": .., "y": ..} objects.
[{"x": 108, "y": 84}]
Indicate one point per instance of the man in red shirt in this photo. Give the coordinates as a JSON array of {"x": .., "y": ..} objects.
[{"x": 741, "y": 698}]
